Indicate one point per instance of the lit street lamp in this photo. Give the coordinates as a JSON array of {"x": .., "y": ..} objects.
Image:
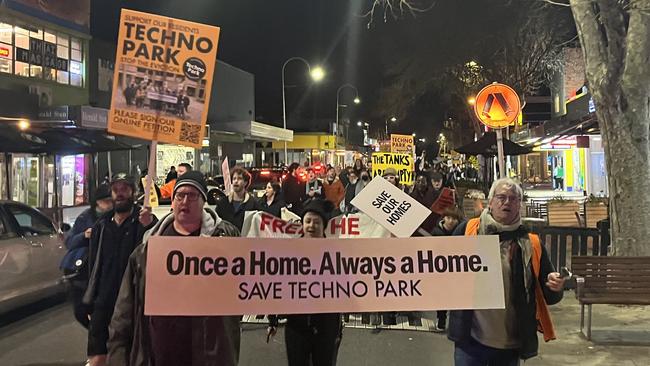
[
  {"x": 338, "y": 92},
  {"x": 317, "y": 74},
  {"x": 392, "y": 119}
]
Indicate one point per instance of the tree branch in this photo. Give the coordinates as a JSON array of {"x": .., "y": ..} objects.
[{"x": 593, "y": 44}]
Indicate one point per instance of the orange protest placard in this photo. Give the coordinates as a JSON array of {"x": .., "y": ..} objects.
[
  {"x": 401, "y": 144},
  {"x": 234, "y": 276},
  {"x": 497, "y": 106},
  {"x": 163, "y": 78}
]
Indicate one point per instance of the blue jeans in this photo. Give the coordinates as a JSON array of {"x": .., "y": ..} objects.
[{"x": 472, "y": 353}]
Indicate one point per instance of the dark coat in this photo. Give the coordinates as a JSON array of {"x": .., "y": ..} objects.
[
  {"x": 275, "y": 208},
  {"x": 129, "y": 331},
  {"x": 226, "y": 210},
  {"x": 460, "y": 322},
  {"x": 107, "y": 263},
  {"x": 75, "y": 241},
  {"x": 427, "y": 199},
  {"x": 294, "y": 193}
]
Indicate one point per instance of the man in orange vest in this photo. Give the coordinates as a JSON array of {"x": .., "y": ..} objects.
[{"x": 504, "y": 336}]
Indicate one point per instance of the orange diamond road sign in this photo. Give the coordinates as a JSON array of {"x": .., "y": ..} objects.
[{"x": 497, "y": 106}]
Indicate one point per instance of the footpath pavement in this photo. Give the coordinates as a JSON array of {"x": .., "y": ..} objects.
[{"x": 621, "y": 336}]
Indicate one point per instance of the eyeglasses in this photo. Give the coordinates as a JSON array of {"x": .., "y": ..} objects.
[
  {"x": 502, "y": 198},
  {"x": 191, "y": 196}
]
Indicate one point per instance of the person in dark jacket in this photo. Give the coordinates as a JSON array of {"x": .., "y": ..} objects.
[
  {"x": 171, "y": 175},
  {"x": 239, "y": 201},
  {"x": 113, "y": 238},
  {"x": 503, "y": 336},
  {"x": 423, "y": 193},
  {"x": 293, "y": 189},
  {"x": 272, "y": 201},
  {"x": 137, "y": 339},
  {"x": 75, "y": 262},
  {"x": 451, "y": 217},
  {"x": 312, "y": 339}
]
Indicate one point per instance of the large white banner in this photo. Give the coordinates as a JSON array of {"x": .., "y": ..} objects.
[{"x": 234, "y": 276}]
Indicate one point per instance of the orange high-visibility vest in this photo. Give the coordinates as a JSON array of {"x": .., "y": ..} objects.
[{"x": 544, "y": 321}]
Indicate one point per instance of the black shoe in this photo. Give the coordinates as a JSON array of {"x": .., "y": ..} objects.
[{"x": 442, "y": 325}]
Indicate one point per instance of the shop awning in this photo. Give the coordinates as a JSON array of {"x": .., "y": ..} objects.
[
  {"x": 60, "y": 141},
  {"x": 487, "y": 146},
  {"x": 257, "y": 131}
]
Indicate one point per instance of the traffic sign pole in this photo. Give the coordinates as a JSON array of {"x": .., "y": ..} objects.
[{"x": 501, "y": 157}]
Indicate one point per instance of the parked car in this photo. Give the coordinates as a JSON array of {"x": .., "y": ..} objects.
[{"x": 31, "y": 249}]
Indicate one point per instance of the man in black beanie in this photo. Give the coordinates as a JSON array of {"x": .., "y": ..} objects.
[{"x": 136, "y": 339}]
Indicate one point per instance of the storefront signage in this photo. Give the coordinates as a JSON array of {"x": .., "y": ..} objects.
[
  {"x": 5, "y": 52},
  {"x": 92, "y": 117},
  {"x": 403, "y": 163},
  {"x": 566, "y": 143},
  {"x": 235, "y": 276},
  {"x": 401, "y": 144},
  {"x": 391, "y": 207},
  {"x": 41, "y": 53},
  {"x": 162, "y": 108},
  {"x": 54, "y": 113}
]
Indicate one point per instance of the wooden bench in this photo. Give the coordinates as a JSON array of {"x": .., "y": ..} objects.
[{"x": 610, "y": 280}]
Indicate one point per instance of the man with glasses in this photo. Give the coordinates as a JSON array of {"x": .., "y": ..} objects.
[
  {"x": 137, "y": 339},
  {"x": 504, "y": 336}
]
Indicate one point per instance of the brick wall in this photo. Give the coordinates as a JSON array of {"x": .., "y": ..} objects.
[{"x": 574, "y": 71}]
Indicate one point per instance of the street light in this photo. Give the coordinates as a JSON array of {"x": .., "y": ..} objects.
[
  {"x": 392, "y": 119},
  {"x": 359, "y": 123},
  {"x": 338, "y": 92},
  {"x": 471, "y": 101},
  {"x": 414, "y": 134},
  {"x": 23, "y": 124},
  {"x": 317, "y": 74}
]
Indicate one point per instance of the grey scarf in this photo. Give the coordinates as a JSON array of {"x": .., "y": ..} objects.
[{"x": 489, "y": 226}]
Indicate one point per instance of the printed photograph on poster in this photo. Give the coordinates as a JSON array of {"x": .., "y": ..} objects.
[
  {"x": 145, "y": 90},
  {"x": 163, "y": 78}
]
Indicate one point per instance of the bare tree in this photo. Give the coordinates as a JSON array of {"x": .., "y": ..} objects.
[{"x": 615, "y": 38}]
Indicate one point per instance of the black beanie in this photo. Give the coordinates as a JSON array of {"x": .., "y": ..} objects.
[
  {"x": 320, "y": 207},
  {"x": 192, "y": 178}
]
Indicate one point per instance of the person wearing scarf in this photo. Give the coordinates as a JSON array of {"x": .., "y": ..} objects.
[{"x": 504, "y": 336}]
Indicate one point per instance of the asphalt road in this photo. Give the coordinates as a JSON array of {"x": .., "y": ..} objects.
[{"x": 46, "y": 335}]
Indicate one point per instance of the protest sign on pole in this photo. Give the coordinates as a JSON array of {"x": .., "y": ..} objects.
[
  {"x": 403, "y": 163},
  {"x": 391, "y": 207},
  {"x": 163, "y": 78},
  {"x": 225, "y": 171},
  {"x": 160, "y": 65},
  {"x": 234, "y": 276},
  {"x": 401, "y": 144}
]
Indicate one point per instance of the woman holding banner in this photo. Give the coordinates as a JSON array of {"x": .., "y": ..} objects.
[{"x": 312, "y": 339}]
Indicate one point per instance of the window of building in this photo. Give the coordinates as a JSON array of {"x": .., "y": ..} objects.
[
  {"x": 6, "y": 33},
  {"x": 59, "y": 57}
]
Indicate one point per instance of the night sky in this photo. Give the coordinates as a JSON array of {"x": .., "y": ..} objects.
[{"x": 258, "y": 36}]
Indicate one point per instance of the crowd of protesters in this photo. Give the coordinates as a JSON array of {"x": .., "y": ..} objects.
[{"x": 111, "y": 240}]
